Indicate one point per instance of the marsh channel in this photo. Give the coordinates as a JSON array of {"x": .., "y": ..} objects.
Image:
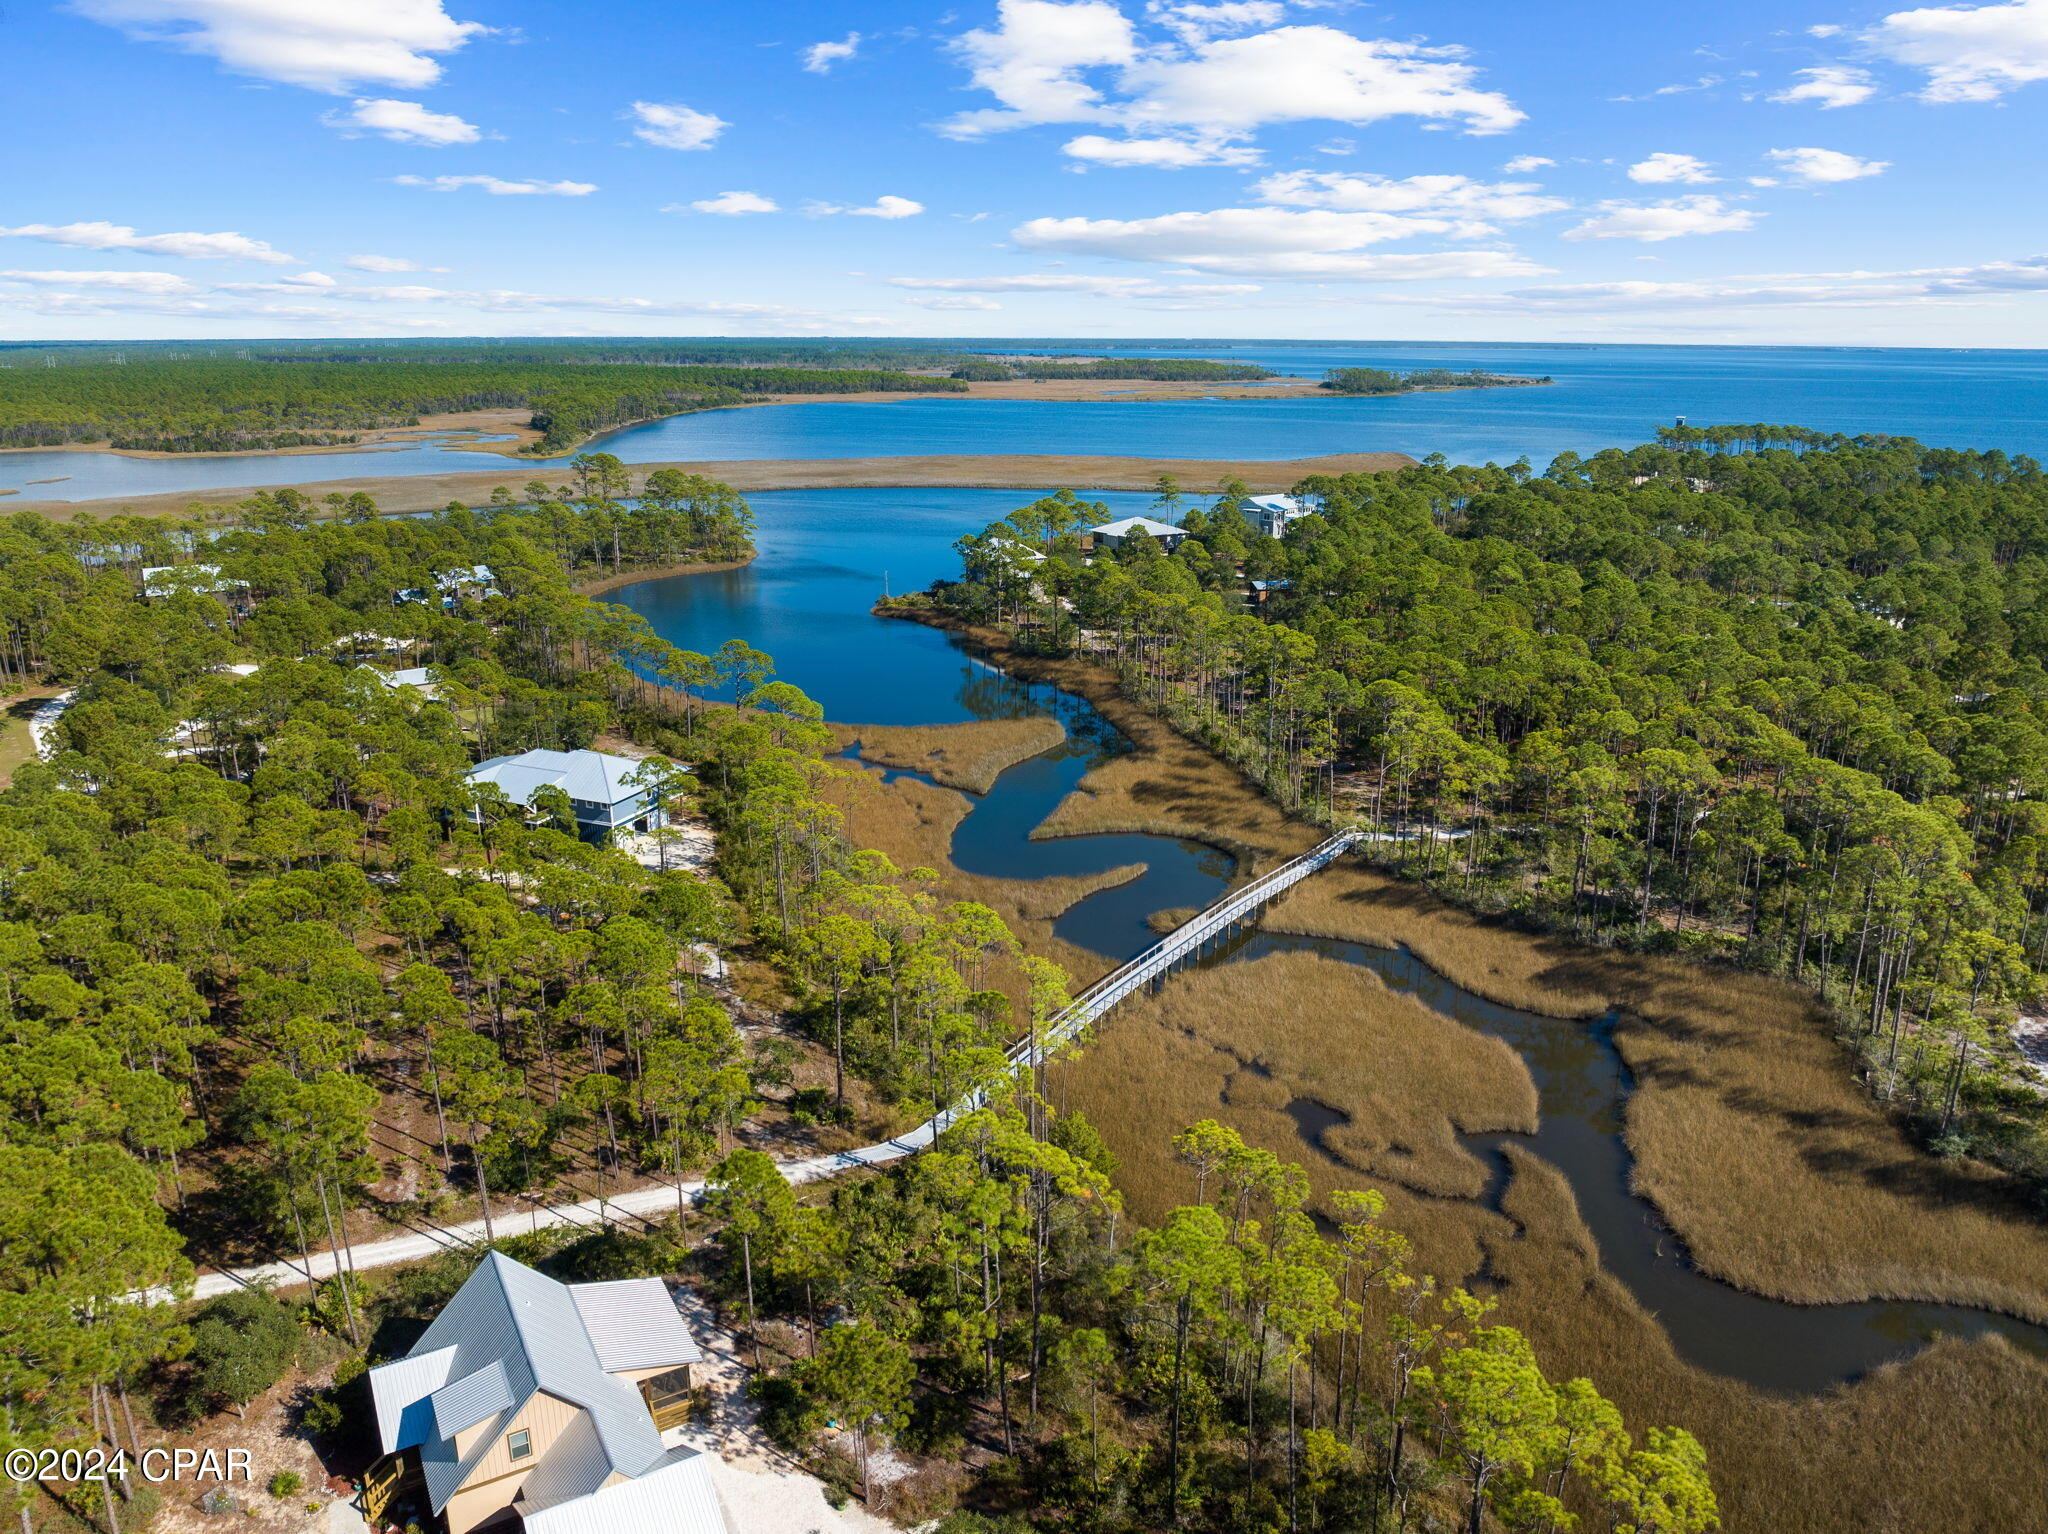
[{"x": 828, "y": 554}]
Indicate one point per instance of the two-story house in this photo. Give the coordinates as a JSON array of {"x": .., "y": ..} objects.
[
  {"x": 598, "y": 783},
  {"x": 534, "y": 1403}
]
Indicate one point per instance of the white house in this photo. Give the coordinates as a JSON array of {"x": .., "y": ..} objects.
[
  {"x": 162, "y": 580},
  {"x": 536, "y": 1405},
  {"x": 1273, "y": 514},
  {"x": 1112, "y": 534},
  {"x": 597, "y": 783},
  {"x": 452, "y": 585},
  {"x": 411, "y": 676}
]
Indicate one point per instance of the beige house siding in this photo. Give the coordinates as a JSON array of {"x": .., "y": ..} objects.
[{"x": 497, "y": 1477}]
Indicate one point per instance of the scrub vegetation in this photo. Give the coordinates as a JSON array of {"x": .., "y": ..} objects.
[{"x": 216, "y": 404}]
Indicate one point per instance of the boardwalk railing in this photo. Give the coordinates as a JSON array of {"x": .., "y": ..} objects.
[{"x": 1185, "y": 941}]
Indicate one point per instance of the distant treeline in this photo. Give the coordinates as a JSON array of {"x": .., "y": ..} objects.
[
  {"x": 1386, "y": 381},
  {"x": 1158, "y": 369},
  {"x": 214, "y": 403},
  {"x": 671, "y": 352}
]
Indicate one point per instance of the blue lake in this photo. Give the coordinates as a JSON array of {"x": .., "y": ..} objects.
[{"x": 1603, "y": 396}]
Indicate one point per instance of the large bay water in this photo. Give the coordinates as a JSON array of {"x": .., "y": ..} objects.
[
  {"x": 1603, "y": 396},
  {"x": 826, "y": 555}
]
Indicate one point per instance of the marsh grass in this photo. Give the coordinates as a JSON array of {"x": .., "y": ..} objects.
[
  {"x": 1952, "y": 1439},
  {"x": 1749, "y": 1133},
  {"x": 970, "y": 756}
]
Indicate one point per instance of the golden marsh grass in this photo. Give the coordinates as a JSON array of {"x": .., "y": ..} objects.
[
  {"x": 1748, "y": 1130},
  {"x": 970, "y": 756}
]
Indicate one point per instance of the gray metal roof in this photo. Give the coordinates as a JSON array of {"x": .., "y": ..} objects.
[
  {"x": 633, "y": 1323},
  {"x": 403, "y": 1393},
  {"x": 675, "y": 1498},
  {"x": 510, "y": 1332},
  {"x": 469, "y": 1400},
  {"x": 574, "y": 1466}
]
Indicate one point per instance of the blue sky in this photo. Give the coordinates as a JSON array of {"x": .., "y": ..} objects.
[{"x": 1750, "y": 173}]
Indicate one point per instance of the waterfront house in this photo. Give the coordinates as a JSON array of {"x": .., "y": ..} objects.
[
  {"x": 1273, "y": 514},
  {"x": 1113, "y": 534},
  {"x": 537, "y": 1405},
  {"x": 598, "y": 783}
]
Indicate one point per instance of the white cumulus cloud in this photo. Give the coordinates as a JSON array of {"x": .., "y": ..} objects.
[
  {"x": 881, "y": 207},
  {"x": 324, "y": 45},
  {"x": 954, "y": 301},
  {"x": 820, "y": 57},
  {"x": 733, "y": 204},
  {"x": 1197, "y": 23},
  {"x": 1668, "y": 220},
  {"x": 1827, "y": 290},
  {"x": 1969, "y": 52},
  {"x": 1213, "y": 82},
  {"x": 155, "y": 284},
  {"x": 388, "y": 264},
  {"x": 1521, "y": 164},
  {"x": 1668, "y": 167},
  {"x": 1829, "y": 86},
  {"x": 1315, "y": 246},
  {"x": 405, "y": 122},
  {"x": 498, "y": 187},
  {"x": 1819, "y": 166},
  {"x": 1076, "y": 282},
  {"x": 670, "y": 125},
  {"x": 193, "y": 246},
  {"x": 1159, "y": 153},
  {"x": 1459, "y": 196}
]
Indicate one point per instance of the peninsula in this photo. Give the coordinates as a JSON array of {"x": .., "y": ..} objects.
[{"x": 1001, "y": 471}]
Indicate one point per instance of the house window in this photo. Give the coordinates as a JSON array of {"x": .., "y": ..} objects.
[{"x": 519, "y": 1445}]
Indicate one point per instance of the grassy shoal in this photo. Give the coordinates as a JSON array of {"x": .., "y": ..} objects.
[{"x": 401, "y": 493}]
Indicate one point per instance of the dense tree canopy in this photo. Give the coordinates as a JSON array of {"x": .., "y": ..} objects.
[{"x": 1751, "y": 691}]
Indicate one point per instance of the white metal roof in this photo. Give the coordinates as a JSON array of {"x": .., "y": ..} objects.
[
  {"x": 677, "y": 1498},
  {"x": 634, "y": 1324},
  {"x": 596, "y": 777},
  {"x": 1131, "y": 525}
]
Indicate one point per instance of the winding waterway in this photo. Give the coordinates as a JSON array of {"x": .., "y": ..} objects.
[{"x": 826, "y": 556}]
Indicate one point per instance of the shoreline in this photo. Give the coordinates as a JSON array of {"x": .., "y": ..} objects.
[
  {"x": 606, "y": 583},
  {"x": 512, "y": 423},
  {"x": 399, "y": 494}
]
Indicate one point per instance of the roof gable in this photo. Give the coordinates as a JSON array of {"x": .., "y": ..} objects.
[{"x": 508, "y": 1333}]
